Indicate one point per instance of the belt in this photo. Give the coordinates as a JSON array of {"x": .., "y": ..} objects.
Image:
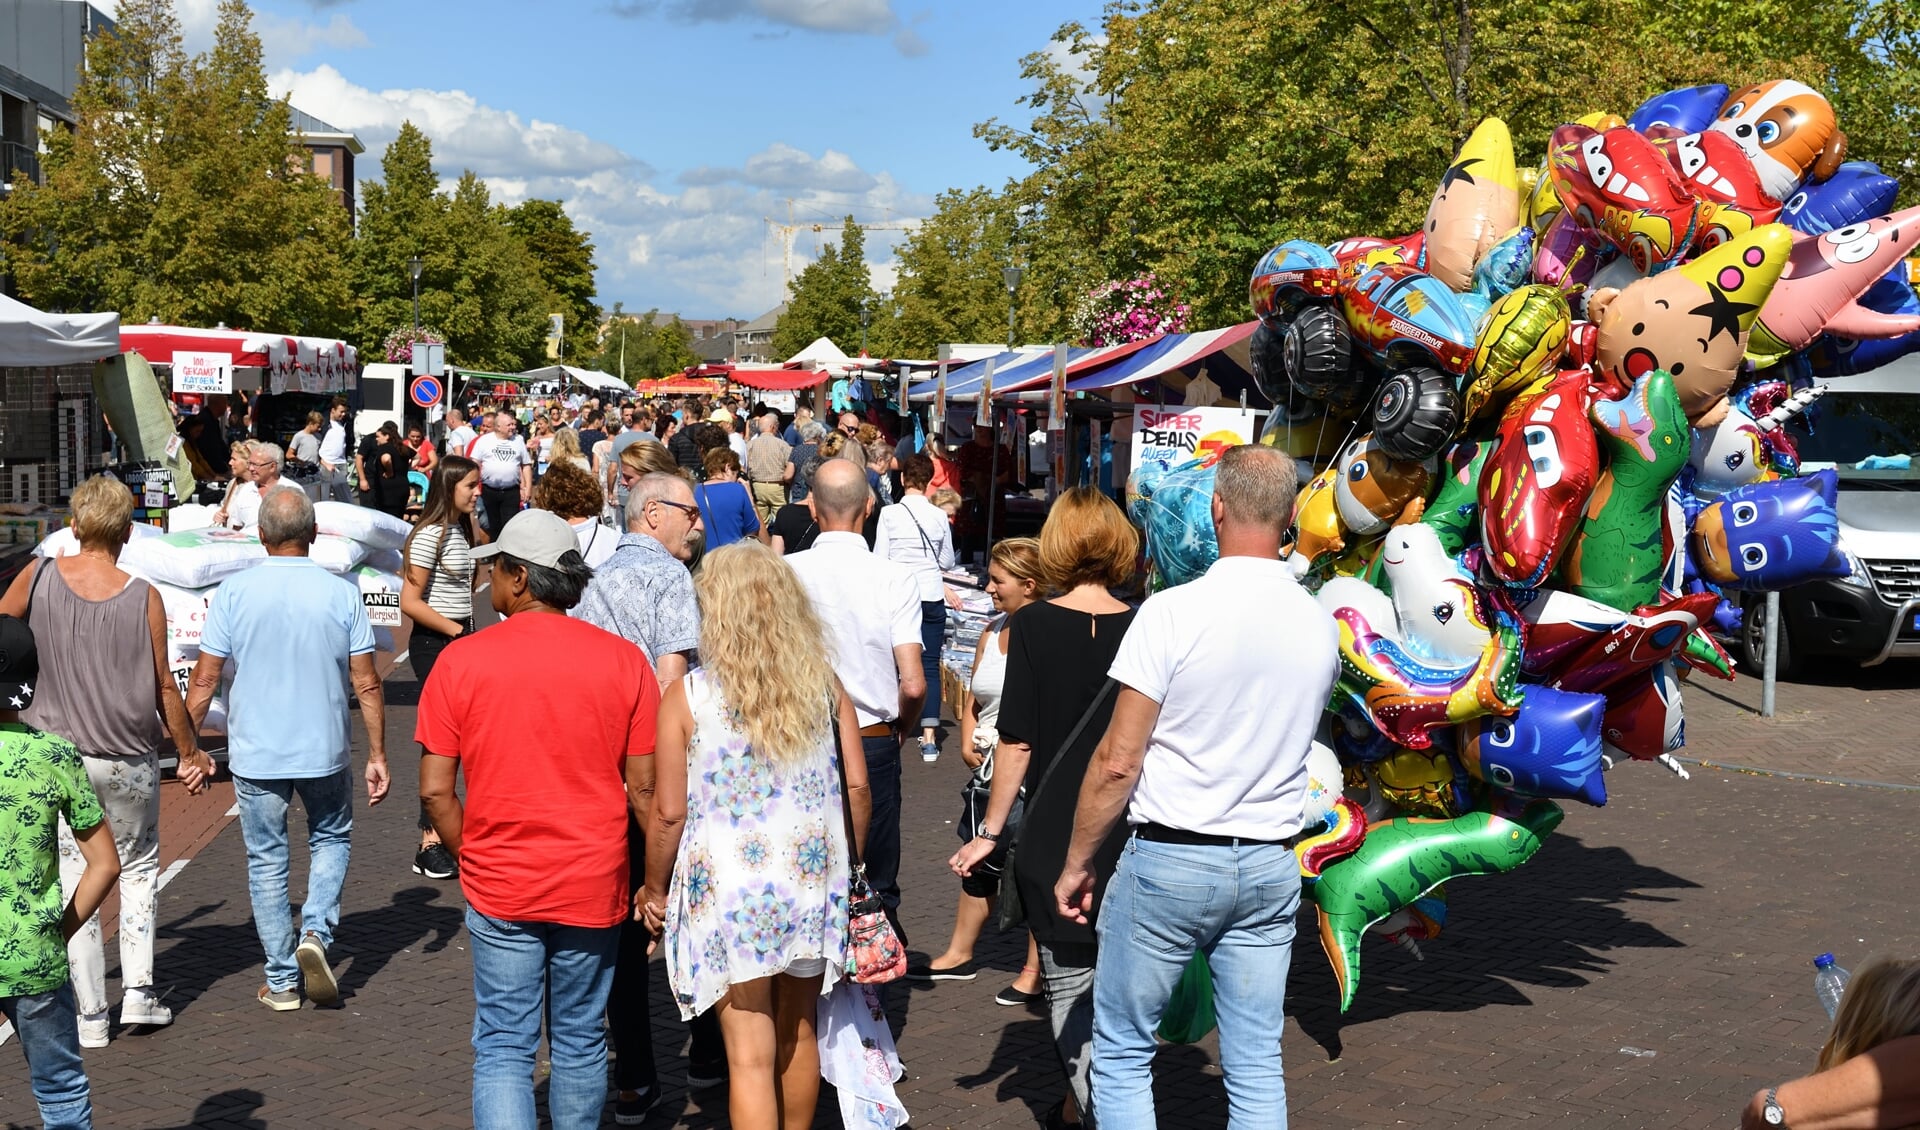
[
  {"x": 877, "y": 730},
  {"x": 1161, "y": 834}
]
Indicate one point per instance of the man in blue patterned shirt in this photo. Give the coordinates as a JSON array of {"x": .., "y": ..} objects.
[
  {"x": 42, "y": 780},
  {"x": 644, "y": 595}
]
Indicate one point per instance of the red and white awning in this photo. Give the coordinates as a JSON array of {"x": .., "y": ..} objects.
[{"x": 304, "y": 364}]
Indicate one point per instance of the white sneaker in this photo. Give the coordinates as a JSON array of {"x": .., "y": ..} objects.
[
  {"x": 929, "y": 751},
  {"x": 93, "y": 1030},
  {"x": 140, "y": 1006}
]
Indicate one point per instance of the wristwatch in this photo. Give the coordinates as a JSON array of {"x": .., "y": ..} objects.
[
  {"x": 1773, "y": 1112},
  {"x": 990, "y": 837}
]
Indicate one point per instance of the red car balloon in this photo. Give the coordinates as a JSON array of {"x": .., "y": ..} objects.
[
  {"x": 1716, "y": 169},
  {"x": 1643, "y": 718},
  {"x": 1616, "y": 183},
  {"x": 1535, "y": 484}
]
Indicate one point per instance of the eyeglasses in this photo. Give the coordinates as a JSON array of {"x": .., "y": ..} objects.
[
  {"x": 259, "y": 462},
  {"x": 689, "y": 511}
]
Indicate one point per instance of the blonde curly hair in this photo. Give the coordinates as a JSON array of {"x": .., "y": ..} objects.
[{"x": 773, "y": 671}]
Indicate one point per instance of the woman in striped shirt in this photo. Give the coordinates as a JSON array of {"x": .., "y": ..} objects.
[{"x": 437, "y": 595}]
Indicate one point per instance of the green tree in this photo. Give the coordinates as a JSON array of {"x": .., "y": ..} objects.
[
  {"x": 564, "y": 257},
  {"x": 180, "y": 195},
  {"x": 827, "y": 296},
  {"x": 642, "y": 347},
  {"x": 950, "y": 286},
  {"x": 402, "y": 215}
]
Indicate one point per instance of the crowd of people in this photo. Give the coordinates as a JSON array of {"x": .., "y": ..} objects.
[{"x": 717, "y": 783}]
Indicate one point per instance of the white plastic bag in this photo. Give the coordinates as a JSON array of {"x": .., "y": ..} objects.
[
  {"x": 337, "y": 554},
  {"x": 373, "y": 528},
  {"x": 386, "y": 560},
  {"x": 186, "y": 617},
  {"x": 62, "y": 543},
  {"x": 371, "y": 578},
  {"x": 192, "y": 559},
  {"x": 858, "y": 1058}
]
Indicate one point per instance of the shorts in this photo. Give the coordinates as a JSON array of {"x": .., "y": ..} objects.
[
  {"x": 807, "y": 967},
  {"x": 982, "y": 884}
]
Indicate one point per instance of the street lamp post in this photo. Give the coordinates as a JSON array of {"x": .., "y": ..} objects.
[
  {"x": 414, "y": 267},
  {"x": 863, "y": 327},
  {"x": 1010, "y": 276}
]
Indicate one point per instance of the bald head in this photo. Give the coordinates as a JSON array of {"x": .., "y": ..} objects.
[
  {"x": 840, "y": 497},
  {"x": 286, "y": 521}
]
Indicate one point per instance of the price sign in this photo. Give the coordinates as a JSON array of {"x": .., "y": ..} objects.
[
  {"x": 383, "y": 608},
  {"x": 203, "y": 372}
]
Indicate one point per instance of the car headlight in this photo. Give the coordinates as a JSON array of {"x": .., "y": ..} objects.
[{"x": 1857, "y": 572}]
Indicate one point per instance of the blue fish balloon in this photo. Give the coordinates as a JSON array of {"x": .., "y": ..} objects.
[
  {"x": 1857, "y": 191},
  {"x": 1689, "y": 109},
  {"x": 1550, "y": 748}
]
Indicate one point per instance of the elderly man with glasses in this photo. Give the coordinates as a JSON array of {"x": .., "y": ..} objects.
[{"x": 242, "y": 512}]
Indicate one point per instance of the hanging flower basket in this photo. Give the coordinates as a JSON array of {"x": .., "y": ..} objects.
[
  {"x": 399, "y": 344},
  {"x": 1128, "y": 310}
]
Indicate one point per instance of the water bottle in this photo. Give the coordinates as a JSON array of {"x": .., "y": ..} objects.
[{"x": 1829, "y": 984}]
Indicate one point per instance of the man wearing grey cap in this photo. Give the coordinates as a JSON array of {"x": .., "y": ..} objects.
[
  {"x": 42, "y": 781},
  {"x": 541, "y": 837}
]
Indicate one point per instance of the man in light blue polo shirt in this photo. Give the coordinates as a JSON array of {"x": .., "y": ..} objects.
[{"x": 297, "y": 635}]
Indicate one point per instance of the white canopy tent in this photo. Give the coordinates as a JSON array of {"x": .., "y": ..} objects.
[
  {"x": 591, "y": 378},
  {"x": 820, "y": 352},
  {"x": 33, "y": 337}
]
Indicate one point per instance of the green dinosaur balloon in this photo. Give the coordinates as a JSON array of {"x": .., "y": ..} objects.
[
  {"x": 1404, "y": 858},
  {"x": 1454, "y": 511},
  {"x": 1617, "y": 554}
]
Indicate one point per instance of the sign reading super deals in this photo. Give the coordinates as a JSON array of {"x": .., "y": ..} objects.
[
  {"x": 205, "y": 373},
  {"x": 1172, "y": 436}
]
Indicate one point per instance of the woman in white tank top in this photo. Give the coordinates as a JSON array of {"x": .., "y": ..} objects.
[{"x": 1013, "y": 580}]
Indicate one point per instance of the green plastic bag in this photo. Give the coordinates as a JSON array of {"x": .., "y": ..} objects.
[{"x": 1189, "y": 1016}]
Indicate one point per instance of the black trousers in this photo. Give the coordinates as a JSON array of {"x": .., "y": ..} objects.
[
  {"x": 501, "y": 504},
  {"x": 629, "y": 1017},
  {"x": 423, "y": 650}
]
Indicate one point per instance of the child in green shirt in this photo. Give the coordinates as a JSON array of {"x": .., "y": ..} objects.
[{"x": 41, "y": 781}]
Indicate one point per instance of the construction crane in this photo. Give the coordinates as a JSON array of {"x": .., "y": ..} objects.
[{"x": 790, "y": 229}]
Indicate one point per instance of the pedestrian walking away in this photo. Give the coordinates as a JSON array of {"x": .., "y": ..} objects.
[
  {"x": 542, "y": 846},
  {"x": 1212, "y": 799},
  {"x": 298, "y": 638},
  {"x": 917, "y": 534},
  {"x": 871, "y": 609},
  {"x": 769, "y": 468},
  {"x": 105, "y": 635},
  {"x": 43, "y": 783}
]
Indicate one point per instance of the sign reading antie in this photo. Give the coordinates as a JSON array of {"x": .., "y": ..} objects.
[{"x": 203, "y": 372}]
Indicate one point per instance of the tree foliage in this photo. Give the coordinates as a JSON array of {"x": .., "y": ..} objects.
[
  {"x": 827, "y": 297},
  {"x": 1194, "y": 134},
  {"x": 643, "y": 347},
  {"x": 950, "y": 288},
  {"x": 563, "y": 256},
  {"x": 181, "y": 195}
]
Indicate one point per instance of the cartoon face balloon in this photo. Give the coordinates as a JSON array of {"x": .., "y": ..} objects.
[
  {"x": 1714, "y": 169},
  {"x": 1618, "y": 184},
  {"x": 1730, "y": 454},
  {"x": 1477, "y": 204},
  {"x": 1619, "y": 552},
  {"x": 1858, "y": 191},
  {"x": 1692, "y": 320},
  {"x": 1289, "y": 276},
  {"x": 1771, "y": 535},
  {"x": 1520, "y": 344},
  {"x": 1374, "y": 489},
  {"x": 1824, "y": 277},
  {"x": 1551, "y": 748},
  {"x": 1787, "y": 130},
  {"x": 1536, "y": 482},
  {"x": 1441, "y": 614}
]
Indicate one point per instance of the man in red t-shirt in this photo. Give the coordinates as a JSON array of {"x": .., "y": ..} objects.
[{"x": 555, "y": 754}]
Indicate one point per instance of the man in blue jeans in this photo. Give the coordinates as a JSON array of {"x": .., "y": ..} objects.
[
  {"x": 42, "y": 781},
  {"x": 1222, "y": 682},
  {"x": 298, "y": 637}
]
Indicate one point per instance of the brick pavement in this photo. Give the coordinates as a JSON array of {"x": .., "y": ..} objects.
[
  {"x": 1839, "y": 722},
  {"x": 1679, "y": 920}
]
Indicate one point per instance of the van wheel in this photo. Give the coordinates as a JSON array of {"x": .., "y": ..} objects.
[{"x": 1753, "y": 641}]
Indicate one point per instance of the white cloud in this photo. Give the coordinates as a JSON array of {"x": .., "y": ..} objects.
[
  {"x": 854, "y": 17},
  {"x": 282, "y": 40},
  {"x": 699, "y": 245}
]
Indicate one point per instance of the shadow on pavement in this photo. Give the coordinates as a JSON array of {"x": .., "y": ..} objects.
[
  {"x": 1548, "y": 923},
  {"x": 228, "y": 1110}
]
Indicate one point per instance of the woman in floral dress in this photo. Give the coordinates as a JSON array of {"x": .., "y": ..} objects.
[{"x": 747, "y": 819}]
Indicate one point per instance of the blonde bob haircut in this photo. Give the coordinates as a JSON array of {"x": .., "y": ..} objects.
[
  {"x": 1087, "y": 541},
  {"x": 1882, "y": 1004},
  {"x": 773, "y": 672},
  {"x": 102, "y": 512},
  {"x": 1020, "y": 557}
]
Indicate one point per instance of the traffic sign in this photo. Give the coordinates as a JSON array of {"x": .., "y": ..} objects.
[{"x": 425, "y": 391}]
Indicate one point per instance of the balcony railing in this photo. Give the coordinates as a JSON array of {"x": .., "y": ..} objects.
[{"x": 17, "y": 157}]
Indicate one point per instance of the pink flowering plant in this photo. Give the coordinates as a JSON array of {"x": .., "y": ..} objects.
[
  {"x": 1128, "y": 310},
  {"x": 399, "y": 344}
]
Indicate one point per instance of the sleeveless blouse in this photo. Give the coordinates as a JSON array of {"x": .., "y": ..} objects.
[
  {"x": 96, "y": 667},
  {"x": 989, "y": 677}
]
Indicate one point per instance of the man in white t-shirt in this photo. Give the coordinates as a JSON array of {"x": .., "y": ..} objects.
[
  {"x": 506, "y": 472},
  {"x": 333, "y": 454},
  {"x": 459, "y": 435},
  {"x": 1222, "y": 683}
]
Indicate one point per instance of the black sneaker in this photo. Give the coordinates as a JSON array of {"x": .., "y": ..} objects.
[
  {"x": 923, "y": 971},
  {"x": 1013, "y": 998},
  {"x": 634, "y": 1111},
  {"x": 435, "y": 862},
  {"x": 701, "y": 1076}
]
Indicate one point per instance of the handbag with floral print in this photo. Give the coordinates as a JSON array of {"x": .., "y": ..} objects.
[{"x": 874, "y": 953}]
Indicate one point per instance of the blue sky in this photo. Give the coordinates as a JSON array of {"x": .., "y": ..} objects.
[{"x": 669, "y": 128}]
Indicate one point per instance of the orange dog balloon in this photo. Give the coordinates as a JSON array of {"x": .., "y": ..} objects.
[{"x": 1787, "y": 129}]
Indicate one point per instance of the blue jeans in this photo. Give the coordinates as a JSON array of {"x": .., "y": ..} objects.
[
  {"x": 263, "y": 825},
  {"x": 933, "y": 634},
  {"x": 517, "y": 967},
  {"x": 1236, "y": 904},
  {"x": 883, "y": 828},
  {"x": 45, "y": 1023}
]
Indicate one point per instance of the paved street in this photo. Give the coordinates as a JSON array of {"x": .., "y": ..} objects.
[{"x": 1650, "y": 968}]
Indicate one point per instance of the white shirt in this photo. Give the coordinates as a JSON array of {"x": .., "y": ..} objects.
[
  {"x": 916, "y": 533},
  {"x": 243, "y": 509},
  {"x": 333, "y": 447},
  {"x": 458, "y": 439},
  {"x": 596, "y": 541},
  {"x": 500, "y": 460},
  {"x": 1241, "y": 661},
  {"x": 738, "y": 444},
  {"x": 870, "y": 606}
]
